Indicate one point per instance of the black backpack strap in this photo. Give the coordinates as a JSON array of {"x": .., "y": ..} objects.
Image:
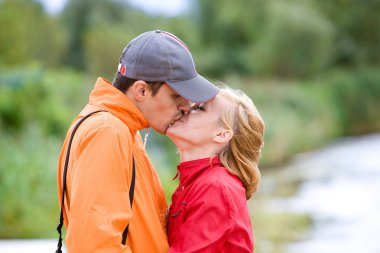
[
  {"x": 131, "y": 193},
  {"x": 131, "y": 190},
  {"x": 59, "y": 228}
]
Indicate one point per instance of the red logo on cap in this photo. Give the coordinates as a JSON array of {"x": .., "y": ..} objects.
[{"x": 122, "y": 70}]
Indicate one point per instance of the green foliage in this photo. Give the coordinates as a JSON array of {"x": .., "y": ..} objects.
[
  {"x": 29, "y": 206},
  {"x": 19, "y": 90},
  {"x": 104, "y": 45},
  {"x": 357, "y": 24},
  {"x": 280, "y": 38},
  {"x": 357, "y": 97},
  {"x": 35, "y": 110},
  {"x": 83, "y": 16},
  {"x": 286, "y": 39},
  {"x": 29, "y": 97},
  {"x": 300, "y": 116},
  {"x": 28, "y": 34},
  {"x": 227, "y": 30},
  {"x": 99, "y": 30},
  {"x": 273, "y": 230},
  {"x": 298, "y": 41}
]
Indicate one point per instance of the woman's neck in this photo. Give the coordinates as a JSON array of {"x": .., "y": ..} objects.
[{"x": 189, "y": 155}]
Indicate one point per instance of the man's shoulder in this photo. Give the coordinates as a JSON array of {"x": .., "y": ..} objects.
[
  {"x": 106, "y": 120},
  {"x": 102, "y": 123}
]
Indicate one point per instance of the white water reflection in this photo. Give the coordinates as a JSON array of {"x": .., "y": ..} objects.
[
  {"x": 23, "y": 246},
  {"x": 342, "y": 194}
]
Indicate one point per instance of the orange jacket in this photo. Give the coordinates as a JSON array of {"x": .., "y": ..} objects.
[{"x": 97, "y": 207}]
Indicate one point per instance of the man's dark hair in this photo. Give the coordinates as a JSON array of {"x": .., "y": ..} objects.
[{"x": 123, "y": 83}]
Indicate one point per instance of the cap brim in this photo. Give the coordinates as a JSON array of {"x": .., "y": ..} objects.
[{"x": 196, "y": 90}]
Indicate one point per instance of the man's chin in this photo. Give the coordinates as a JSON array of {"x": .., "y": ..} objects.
[{"x": 159, "y": 130}]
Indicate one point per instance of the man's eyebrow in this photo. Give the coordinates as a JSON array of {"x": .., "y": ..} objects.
[{"x": 175, "y": 94}]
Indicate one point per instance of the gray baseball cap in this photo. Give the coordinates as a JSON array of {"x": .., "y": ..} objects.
[{"x": 161, "y": 56}]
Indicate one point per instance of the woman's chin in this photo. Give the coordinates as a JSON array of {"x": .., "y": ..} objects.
[{"x": 170, "y": 132}]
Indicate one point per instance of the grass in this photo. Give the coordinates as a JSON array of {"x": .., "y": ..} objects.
[
  {"x": 29, "y": 206},
  {"x": 274, "y": 230}
]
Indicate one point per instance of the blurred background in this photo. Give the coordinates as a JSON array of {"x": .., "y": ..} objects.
[{"x": 311, "y": 67}]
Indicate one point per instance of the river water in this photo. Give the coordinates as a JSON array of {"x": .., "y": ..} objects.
[{"x": 341, "y": 193}]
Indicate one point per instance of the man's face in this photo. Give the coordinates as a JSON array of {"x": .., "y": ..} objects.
[{"x": 163, "y": 109}]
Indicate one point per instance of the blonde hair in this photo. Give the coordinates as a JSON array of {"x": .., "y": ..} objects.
[{"x": 241, "y": 156}]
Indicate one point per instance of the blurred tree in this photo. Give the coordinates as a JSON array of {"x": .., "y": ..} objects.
[
  {"x": 227, "y": 30},
  {"x": 76, "y": 19},
  {"x": 297, "y": 41},
  {"x": 281, "y": 38},
  {"x": 99, "y": 30},
  {"x": 358, "y": 27},
  {"x": 28, "y": 34}
]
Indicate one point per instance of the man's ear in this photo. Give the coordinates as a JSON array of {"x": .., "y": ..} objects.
[
  {"x": 140, "y": 90},
  {"x": 223, "y": 136}
]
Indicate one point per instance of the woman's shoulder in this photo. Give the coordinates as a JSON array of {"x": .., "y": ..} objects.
[
  {"x": 219, "y": 178},
  {"x": 219, "y": 188},
  {"x": 219, "y": 173}
]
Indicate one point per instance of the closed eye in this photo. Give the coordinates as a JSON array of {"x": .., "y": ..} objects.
[{"x": 198, "y": 107}]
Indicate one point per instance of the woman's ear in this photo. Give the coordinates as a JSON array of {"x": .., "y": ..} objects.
[
  {"x": 140, "y": 91},
  {"x": 223, "y": 136}
]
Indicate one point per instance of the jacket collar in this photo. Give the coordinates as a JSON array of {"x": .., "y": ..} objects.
[
  {"x": 107, "y": 97},
  {"x": 190, "y": 170}
]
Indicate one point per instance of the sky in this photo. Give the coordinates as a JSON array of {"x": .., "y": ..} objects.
[{"x": 163, "y": 7}]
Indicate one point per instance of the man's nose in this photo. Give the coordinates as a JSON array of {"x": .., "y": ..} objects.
[{"x": 184, "y": 106}]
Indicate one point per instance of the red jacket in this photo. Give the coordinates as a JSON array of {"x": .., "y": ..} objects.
[{"x": 209, "y": 211}]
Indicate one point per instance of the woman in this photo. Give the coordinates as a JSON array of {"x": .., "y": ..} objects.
[{"x": 219, "y": 143}]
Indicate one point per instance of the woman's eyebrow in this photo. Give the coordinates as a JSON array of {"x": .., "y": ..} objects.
[
  {"x": 194, "y": 106},
  {"x": 197, "y": 105}
]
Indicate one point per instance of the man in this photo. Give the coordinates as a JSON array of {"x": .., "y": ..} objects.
[{"x": 155, "y": 81}]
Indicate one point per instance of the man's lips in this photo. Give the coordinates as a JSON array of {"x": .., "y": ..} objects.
[
  {"x": 174, "y": 122},
  {"x": 170, "y": 124}
]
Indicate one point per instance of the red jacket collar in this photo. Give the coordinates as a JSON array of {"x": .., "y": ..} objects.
[{"x": 190, "y": 170}]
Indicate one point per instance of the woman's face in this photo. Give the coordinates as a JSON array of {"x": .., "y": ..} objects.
[{"x": 200, "y": 126}]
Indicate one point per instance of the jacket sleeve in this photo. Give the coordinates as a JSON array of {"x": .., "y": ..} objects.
[
  {"x": 207, "y": 221},
  {"x": 99, "y": 193}
]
